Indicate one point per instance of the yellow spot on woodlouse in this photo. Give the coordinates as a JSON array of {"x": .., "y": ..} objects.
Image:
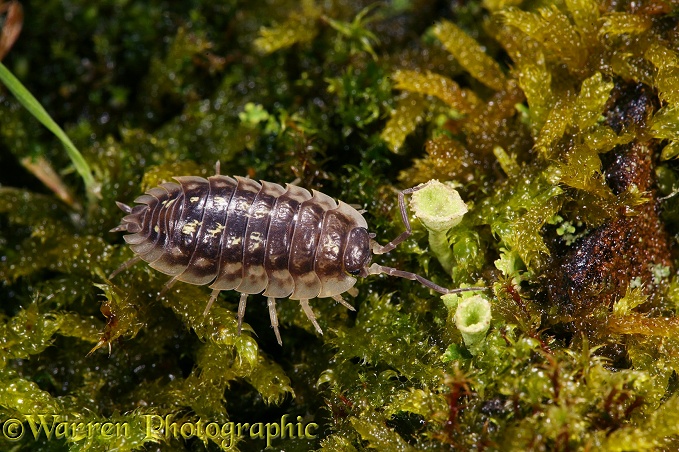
[
  {"x": 259, "y": 212},
  {"x": 194, "y": 198},
  {"x": 256, "y": 239},
  {"x": 191, "y": 227},
  {"x": 219, "y": 201},
  {"x": 156, "y": 229},
  {"x": 216, "y": 231}
]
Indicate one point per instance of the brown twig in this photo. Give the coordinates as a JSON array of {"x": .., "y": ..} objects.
[{"x": 14, "y": 20}]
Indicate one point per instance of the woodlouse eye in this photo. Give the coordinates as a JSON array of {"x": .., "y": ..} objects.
[{"x": 357, "y": 253}]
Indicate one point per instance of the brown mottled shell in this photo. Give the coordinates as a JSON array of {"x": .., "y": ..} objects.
[{"x": 237, "y": 234}]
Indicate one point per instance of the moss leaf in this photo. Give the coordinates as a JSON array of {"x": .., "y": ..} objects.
[{"x": 470, "y": 54}]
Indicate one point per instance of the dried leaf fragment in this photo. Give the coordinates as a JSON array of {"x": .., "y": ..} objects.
[{"x": 12, "y": 25}]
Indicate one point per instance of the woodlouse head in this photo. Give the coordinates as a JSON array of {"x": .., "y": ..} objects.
[{"x": 357, "y": 254}]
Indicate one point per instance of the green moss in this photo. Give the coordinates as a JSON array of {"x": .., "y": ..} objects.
[
  {"x": 408, "y": 113},
  {"x": 470, "y": 55},
  {"x": 297, "y": 28},
  {"x": 437, "y": 85},
  {"x": 526, "y": 107}
]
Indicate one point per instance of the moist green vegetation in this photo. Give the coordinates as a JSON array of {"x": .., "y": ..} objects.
[{"x": 558, "y": 123}]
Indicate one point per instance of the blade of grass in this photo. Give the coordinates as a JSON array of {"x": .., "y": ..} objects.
[{"x": 33, "y": 106}]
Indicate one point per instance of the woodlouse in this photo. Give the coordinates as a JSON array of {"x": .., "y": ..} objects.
[{"x": 237, "y": 234}]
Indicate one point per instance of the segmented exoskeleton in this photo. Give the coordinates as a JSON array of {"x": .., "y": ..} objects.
[{"x": 237, "y": 234}]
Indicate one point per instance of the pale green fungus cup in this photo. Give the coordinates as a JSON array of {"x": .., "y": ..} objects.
[
  {"x": 438, "y": 206},
  {"x": 472, "y": 318}
]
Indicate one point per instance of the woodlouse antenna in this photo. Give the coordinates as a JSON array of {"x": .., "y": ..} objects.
[
  {"x": 376, "y": 269},
  {"x": 379, "y": 249}
]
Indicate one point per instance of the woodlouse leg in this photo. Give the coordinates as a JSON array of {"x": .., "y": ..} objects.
[
  {"x": 310, "y": 314},
  {"x": 376, "y": 269},
  {"x": 271, "y": 301},
  {"x": 125, "y": 266},
  {"x": 339, "y": 299},
  {"x": 379, "y": 249},
  {"x": 241, "y": 310},
  {"x": 212, "y": 299},
  {"x": 218, "y": 166},
  {"x": 168, "y": 285}
]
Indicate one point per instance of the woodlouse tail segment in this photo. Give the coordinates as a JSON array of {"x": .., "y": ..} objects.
[
  {"x": 123, "y": 224},
  {"x": 124, "y": 207},
  {"x": 131, "y": 222},
  {"x": 120, "y": 228},
  {"x": 376, "y": 269}
]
